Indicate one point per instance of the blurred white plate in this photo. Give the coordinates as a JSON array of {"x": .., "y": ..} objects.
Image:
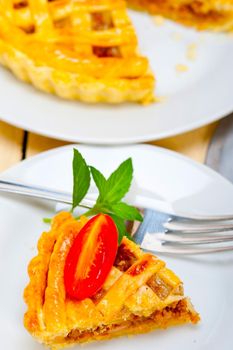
[
  {"x": 188, "y": 186},
  {"x": 202, "y": 94}
]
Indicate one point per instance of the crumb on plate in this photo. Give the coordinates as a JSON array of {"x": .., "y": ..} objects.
[
  {"x": 161, "y": 99},
  {"x": 158, "y": 20},
  {"x": 191, "y": 52},
  {"x": 180, "y": 68},
  {"x": 176, "y": 36}
]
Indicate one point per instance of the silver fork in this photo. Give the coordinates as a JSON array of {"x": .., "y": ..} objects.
[{"x": 159, "y": 231}]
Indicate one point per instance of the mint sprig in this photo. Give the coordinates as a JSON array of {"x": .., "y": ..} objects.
[
  {"x": 111, "y": 191},
  {"x": 118, "y": 183},
  {"x": 121, "y": 227},
  {"x": 81, "y": 178},
  {"x": 100, "y": 181}
]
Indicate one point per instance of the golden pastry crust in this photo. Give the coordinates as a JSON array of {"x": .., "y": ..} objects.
[
  {"x": 202, "y": 14},
  {"x": 82, "y": 49},
  {"x": 140, "y": 293}
]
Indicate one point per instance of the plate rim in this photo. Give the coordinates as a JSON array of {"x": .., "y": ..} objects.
[
  {"x": 173, "y": 154},
  {"x": 203, "y": 167},
  {"x": 124, "y": 141}
]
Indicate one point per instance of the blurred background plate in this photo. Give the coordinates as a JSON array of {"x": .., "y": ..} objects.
[{"x": 201, "y": 93}]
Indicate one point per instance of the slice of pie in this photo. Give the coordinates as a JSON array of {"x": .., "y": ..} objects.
[
  {"x": 202, "y": 14},
  {"x": 81, "y": 49},
  {"x": 140, "y": 294}
]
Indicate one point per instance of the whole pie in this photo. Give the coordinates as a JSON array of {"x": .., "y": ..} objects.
[
  {"x": 139, "y": 294},
  {"x": 87, "y": 49},
  {"x": 77, "y": 49}
]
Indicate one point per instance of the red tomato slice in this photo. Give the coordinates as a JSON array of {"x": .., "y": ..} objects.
[{"x": 91, "y": 257}]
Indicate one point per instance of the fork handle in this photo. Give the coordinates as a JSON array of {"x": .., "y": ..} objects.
[
  {"x": 42, "y": 193},
  {"x": 65, "y": 197},
  {"x": 140, "y": 201}
]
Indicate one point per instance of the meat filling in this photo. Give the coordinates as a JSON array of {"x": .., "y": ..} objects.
[
  {"x": 101, "y": 20},
  {"x": 124, "y": 259},
  {"x": 160, "y": 318}
]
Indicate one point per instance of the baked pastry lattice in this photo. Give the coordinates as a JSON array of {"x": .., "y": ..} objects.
[
  {"x": 139, "y": 295},
  {"x": 202, "y": 14},
  {"x": 80, "y": 49}
]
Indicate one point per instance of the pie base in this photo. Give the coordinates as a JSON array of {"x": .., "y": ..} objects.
[
  {"x": 176, "y": 314},
  {"x": 74, "y": 87}
]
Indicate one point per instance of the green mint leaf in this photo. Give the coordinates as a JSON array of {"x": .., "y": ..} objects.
[
  {"x": 81, "y": 178},
  {"x": 126, "y": 212},
  {"x": 100, "y": 182},
  {"x": 119, "y": 182},
  {"x": 121, "y": 228},
  {"x": 111, "y": 191},
  {"x": 47, "y": 220}
]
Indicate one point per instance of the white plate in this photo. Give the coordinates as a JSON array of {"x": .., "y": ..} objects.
[
  {"x": 188, "y": 185},
  {"x": 202, "y": 94}
]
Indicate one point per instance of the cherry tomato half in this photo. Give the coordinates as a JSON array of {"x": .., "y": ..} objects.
[{"x": 91, "y": 257}]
